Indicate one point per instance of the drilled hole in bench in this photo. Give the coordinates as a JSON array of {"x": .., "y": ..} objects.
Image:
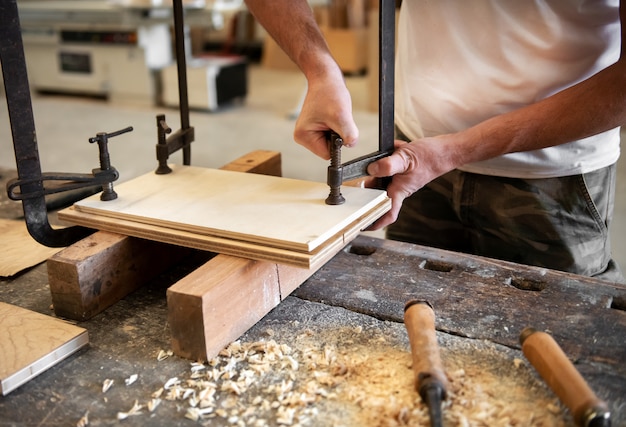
[
  {"x": 527, "y": 284},
  {"x": 362, "y": 250},
  {"x": 619, "y": 303},
  {"x": 437, "y": 266}
]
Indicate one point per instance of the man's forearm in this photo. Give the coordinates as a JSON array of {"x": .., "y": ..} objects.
[
  {"x": 292, "y": 25},
  {"x": 588, "y": 108}
]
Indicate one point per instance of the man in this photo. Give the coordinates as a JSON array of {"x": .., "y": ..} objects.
[{"x": 513, "y": 112}]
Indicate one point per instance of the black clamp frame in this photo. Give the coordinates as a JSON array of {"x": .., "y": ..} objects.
[
  {"x": 339, "y": 173},
  {"x": 182, "y": 138}
]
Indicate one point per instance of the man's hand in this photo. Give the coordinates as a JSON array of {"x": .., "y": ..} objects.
[
  {"x": 411, "y": 166},
  {"x": 327, "y": 106}
]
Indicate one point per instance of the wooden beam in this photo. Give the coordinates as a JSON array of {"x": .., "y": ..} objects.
[
  {"x": 262, "y": 162},
  {"x": 101, "y": 269},
  {"x": 218, "y": 302}
]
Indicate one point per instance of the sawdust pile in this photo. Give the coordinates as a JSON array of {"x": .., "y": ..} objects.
[{"x": 348, "y": 376}]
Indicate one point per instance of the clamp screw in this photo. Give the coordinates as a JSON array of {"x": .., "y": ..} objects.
[
  {"x": 162, "y": 149},
  {"x": 102, "y": 139},
  {"x": 335, "y": 171}
]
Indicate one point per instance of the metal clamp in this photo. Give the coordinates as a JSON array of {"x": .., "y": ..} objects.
[
  {"x": 357, "y": 168},
  {"x": 102, "y": 176},
  {"x": 102, "y": 139}
]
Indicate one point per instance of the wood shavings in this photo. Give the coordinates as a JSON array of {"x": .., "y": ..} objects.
[
  {"x": 334, "y": 377},
  {"x": 162, "y": 355},
  {"x": 130, "y": 380},
  {"x": 135, "y": 410},
  {"x": 84, "y": 420},
  {"x": 171, "y": 383},
  {"x": 152, "y": 404},
  {"x": 106, "y": 385}
]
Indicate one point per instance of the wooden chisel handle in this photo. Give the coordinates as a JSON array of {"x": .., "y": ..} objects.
[
  {"x": 419, "y": 319},
  {"x": 543, "y": 352}
]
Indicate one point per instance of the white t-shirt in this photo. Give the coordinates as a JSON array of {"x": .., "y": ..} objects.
[{"x": 460, "y": 62}]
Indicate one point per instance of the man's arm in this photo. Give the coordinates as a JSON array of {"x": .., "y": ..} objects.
[
  {"x": 590, "y": 107},
  {"x": 327, "y": 104}
]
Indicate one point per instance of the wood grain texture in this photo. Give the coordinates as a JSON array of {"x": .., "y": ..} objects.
[
  {"x": 99, "y": 270},
  {"x": 218, "y": 302},
  {"x": 271, "y": 211},
  {"x": 31, "y": 342}
]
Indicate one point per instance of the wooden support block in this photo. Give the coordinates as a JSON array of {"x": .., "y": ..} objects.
[
  {"x": 262, "y": 162},
  {"x": 101, "y": 269},
  {"x": 218, "y": 302}
]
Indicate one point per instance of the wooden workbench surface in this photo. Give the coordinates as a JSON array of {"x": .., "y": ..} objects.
[{"x": 481, "y": 306}]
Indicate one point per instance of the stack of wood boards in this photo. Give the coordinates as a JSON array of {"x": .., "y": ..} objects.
[{"x": 253, "y": 216}]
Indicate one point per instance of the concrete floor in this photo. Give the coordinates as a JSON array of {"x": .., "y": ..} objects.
[{"x": 263, "y": 121}]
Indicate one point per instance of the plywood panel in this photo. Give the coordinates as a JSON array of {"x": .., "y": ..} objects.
[
  {"x": 31, "y": 342},
  {"x": 254, "y": 216}
]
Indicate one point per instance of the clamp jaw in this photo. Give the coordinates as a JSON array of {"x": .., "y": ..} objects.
[
  {"x": 22, "y": 189},
  {"x": 339, "y": 173}
]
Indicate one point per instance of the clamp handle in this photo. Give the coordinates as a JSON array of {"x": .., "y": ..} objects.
[
  {"x": 552, "y": 364},
  {"x": 430, "y": 379}
]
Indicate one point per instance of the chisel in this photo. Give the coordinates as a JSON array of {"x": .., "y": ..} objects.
[
  {"x": 430, "y": 378},
  {"x": 543, "y": 352}
]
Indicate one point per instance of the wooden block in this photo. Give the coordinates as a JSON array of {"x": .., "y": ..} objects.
[
  {"x": 218, "y": 302},
  {"x": 257, "y": 216},
  {"x": 31, "y": 343},
  {"x": 94, "y": 273},
  {"x": 262, "y": 162},
  {"x": 221, "y": 300}
]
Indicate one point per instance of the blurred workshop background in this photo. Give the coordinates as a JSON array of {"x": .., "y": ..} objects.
[{"x": 101, "y": 65}]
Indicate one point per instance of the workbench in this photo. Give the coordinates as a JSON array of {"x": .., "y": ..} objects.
[{"x": 481, "y": 307}]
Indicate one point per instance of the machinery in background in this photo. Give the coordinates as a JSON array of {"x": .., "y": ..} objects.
[{"x": 116, "y": 48}]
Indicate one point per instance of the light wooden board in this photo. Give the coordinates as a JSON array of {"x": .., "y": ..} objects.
[
  {"x": 19, "y": 250},
  {"x": 31, "y": 342},
  {"x": 260, "y": 217}
]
